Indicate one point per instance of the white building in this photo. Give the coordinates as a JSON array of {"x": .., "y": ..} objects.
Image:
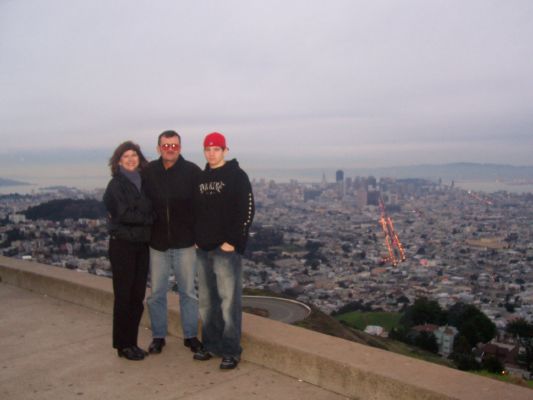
[{"x": 445, "y": 336}]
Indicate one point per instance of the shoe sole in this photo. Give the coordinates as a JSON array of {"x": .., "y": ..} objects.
[
  {"x": 228, "y": 367},
  {"x": 122, "y": 355},
  {"x": 200, "y": 358}
]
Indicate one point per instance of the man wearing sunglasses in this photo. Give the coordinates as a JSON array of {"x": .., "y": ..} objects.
[{"x": 169, "y": 183}]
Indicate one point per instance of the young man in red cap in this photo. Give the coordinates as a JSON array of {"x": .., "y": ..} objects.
[{"x": 224, "y": 210}]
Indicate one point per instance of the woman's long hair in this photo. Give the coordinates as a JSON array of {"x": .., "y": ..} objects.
[{"x": 120, "y": 150}]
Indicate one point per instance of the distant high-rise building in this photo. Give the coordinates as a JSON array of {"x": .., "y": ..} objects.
[
  {"x": 339, "y": 176},
  {"x": 371, "y": 182},
  {"x": 359, "y": 183},
  {"x": 361, "y": 199},
  {"x": 348, "y": 184},
  {"x": 373, "y": 197}
]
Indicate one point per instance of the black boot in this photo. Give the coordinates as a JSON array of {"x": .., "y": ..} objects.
[
  {"x": 194, "y": 344},
  {"x": 130, "y": 354},
  {"x": 156, "y": 346}
]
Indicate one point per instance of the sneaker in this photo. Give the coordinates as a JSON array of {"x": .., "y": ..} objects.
[
  {"x": 157, "y": 345},
  {"x": 202, "y": 355},
  {"x": 229, "y": 363},
  {"x": 194, "y": 344}
]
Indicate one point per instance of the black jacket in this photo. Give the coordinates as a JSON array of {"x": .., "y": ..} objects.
[
  {"x": 171, "y": 192},
  {"x": 224, "y": 207},
  {"x": 130, "y": 211}
]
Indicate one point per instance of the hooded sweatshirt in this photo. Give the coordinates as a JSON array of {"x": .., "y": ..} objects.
[{"x": 224, "y": 207}]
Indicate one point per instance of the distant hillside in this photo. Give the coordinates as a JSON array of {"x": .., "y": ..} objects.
[
  {"x": 462, "y": 171},
  {"x": 11, "y": 182},
  {"x": 459, "y": 171},
  {"x": 58, "y": 210}
]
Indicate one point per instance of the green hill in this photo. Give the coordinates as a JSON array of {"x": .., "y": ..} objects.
[
  {"x": 58, "y": 210},
  {"x": 360, "y": 320}
]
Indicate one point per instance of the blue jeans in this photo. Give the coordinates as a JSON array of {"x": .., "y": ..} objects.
[
  {"x": 182, "y": 262},
  {"x": 220, "y": 292}
]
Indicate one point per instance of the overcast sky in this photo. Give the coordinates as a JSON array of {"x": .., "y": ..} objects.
[{"x": 290, "y": 83}]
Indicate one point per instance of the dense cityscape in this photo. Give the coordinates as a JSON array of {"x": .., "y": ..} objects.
[
  {"x": 459, "y": 246},
  {"x": 322, "y": 243}
]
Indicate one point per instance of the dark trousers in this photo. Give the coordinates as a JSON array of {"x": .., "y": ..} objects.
[{"x": 129, "y": 263}]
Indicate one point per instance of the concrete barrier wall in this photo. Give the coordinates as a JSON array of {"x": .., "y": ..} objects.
[{"x": 351, "y": 369}]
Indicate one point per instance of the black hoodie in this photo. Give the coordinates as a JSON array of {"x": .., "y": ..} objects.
[{"x": 224, "y": 207}]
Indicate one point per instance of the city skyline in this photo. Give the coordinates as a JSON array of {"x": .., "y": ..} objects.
[{"x": 292, "y": 85}]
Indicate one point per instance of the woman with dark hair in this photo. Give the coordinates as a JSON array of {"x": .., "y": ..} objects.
[{"x": 129, "y": 222}]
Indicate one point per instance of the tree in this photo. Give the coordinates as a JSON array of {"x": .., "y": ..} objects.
[
  {"x": 12, "y": 235},
  {"x": 462, "y": 354},
  {"x": 509, "y": 307},
  {"x": 478, "y": 329},
  {"x": 352, "y": 306},
  {"x": 461, "y": 345},
  {"x": 403, "y": 299},
  {"x": 523, "y": 330},
  {"x": 312, "y": 246},
  {"x": 473, "y": 324},
  {"x": 400, "y": 334},
  {"x": 423, "y": 311},
  {"x": 60, "y": 209},
  {"x": 492, "y": 364},
  {"x": 465, "y": 362},
  {"x": 427, "y": 341},
  {"x": 520, "y": 327}
]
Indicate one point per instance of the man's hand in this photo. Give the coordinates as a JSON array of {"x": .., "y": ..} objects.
[{"x": 227, "y": 247}]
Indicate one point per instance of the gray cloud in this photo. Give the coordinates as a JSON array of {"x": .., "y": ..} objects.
[{"x": 296, "y": 82}]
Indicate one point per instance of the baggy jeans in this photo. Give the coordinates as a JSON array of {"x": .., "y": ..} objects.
[
  {"x": 182, "y": 262},
  {"x": 220, "y": 294}
]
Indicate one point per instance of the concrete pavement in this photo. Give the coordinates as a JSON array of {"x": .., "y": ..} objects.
[{"x": 52, "y": 349}]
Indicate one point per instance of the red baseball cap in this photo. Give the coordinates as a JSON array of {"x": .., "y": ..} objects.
[{"x": 215, "y": 139}]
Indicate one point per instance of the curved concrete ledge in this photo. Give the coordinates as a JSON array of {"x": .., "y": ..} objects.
[
  {"x": 347, "y": 368},
  {"x": 280, "y": 309}
]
